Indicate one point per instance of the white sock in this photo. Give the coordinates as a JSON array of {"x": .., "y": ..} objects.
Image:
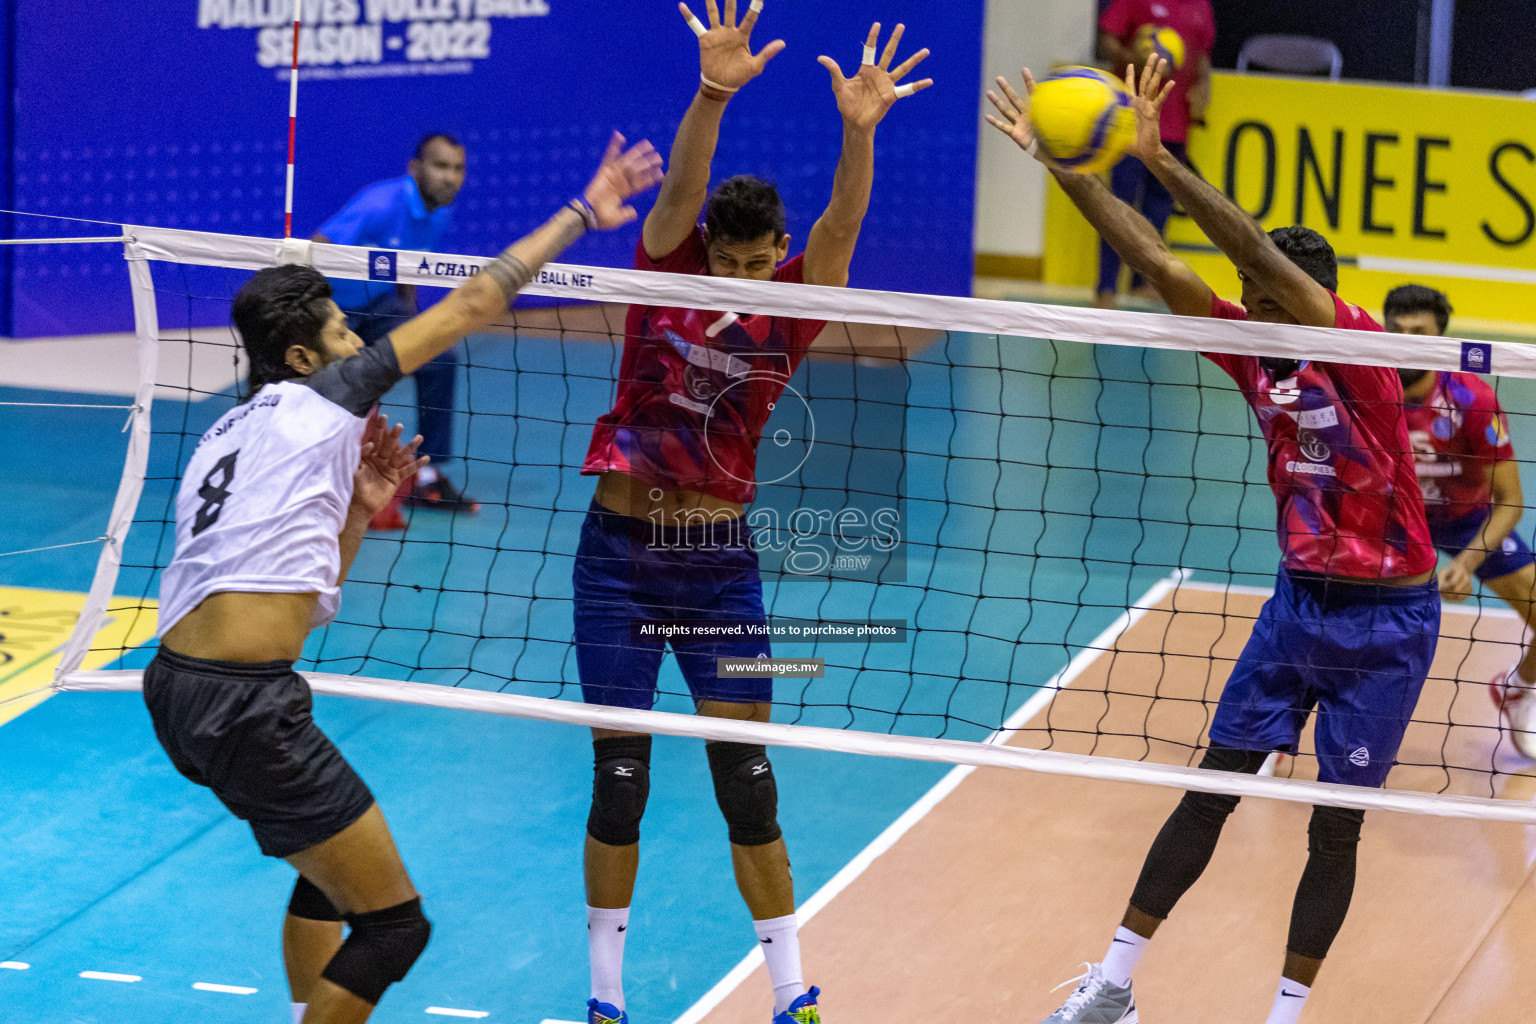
[
  {"x": 779, "y": 939},
  {"x": 605, "y": 948},
  {"x": 1124, "y": 953},
  {"x": 298, "y": 1012},
  {"x": 1290, "y": 997},
  {"x": 427, "y": 475}
]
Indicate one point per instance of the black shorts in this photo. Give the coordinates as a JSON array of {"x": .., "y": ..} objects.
[{"x": 245, "y": 731}]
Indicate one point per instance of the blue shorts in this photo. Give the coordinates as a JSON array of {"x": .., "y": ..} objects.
[
  {"x": 1358, "y": 653},
  {"x": 625, "y": 577},
  {"x": 1509, "y": 557}
]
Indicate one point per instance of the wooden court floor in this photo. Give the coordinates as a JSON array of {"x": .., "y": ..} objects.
[{"x": 1014, "y": 878}]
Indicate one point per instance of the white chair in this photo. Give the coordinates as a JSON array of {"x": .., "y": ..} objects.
[{"x": 1291, "y": 55}]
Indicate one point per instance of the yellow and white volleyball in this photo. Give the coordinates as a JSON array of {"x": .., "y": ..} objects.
[
  {"x": 1152, "y": 41},
  {"x": 1082, "y": 119}
]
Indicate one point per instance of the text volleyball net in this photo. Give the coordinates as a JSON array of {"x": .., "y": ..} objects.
[{"x": 958, "y": 529}]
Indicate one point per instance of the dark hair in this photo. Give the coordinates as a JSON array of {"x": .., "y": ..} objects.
[
  {"x": 279, "y": 307},
  {"x": 427, "y": 140},
  {"x": 1417, "y": 298},
  {"x": 743, "y": 209},
  {"x": 1311, "y": 252}
]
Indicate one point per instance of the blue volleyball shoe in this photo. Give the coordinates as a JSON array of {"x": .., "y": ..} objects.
[
  {"x": 802, "y": 1011},
  {"x": 605, "y": 1013}
]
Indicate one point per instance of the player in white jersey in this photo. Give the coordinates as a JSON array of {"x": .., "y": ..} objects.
[{"x": 269, "y": 516}]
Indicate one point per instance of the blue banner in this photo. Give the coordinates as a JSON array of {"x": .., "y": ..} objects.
[{"x": 174, "y": 113}]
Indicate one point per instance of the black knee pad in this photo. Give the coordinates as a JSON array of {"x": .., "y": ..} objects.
[
  {"x": 1334, "y": 831},
  {"x": 1231, "y": 759},
  {"x": 746, "y": 791},
  {"x": 380, "y": 949},
  {"x": 310, "y": 903},
  {"x": 621, "y": 783},
  {"x": 1215, "y": 807}
]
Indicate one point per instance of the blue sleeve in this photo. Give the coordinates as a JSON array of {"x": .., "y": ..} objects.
[{"x": 356, "y": 223}]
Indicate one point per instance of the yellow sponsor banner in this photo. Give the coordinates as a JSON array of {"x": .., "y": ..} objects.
[
  {"x": 34, "y": 624},
  {"x": 1431, "y": 186}
]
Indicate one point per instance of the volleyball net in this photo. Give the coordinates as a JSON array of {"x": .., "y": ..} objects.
[{"x": 991, "y": 533}]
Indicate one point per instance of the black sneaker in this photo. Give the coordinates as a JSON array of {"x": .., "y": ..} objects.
[{"x": 440, "y": 494}]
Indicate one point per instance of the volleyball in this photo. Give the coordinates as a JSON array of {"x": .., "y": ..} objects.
[
  {"x": 1082, "y": 119},
  {"x": 1153, "y": 41}
]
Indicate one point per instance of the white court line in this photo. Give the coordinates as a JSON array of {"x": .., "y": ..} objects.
[
  {"x": 448, "y": 1011},
  {"x": 14, "y": 965},
  {"x": 929, "y": 800},
  {"x": 234, "y": 990},
  {"x": 109, "y": 976}
]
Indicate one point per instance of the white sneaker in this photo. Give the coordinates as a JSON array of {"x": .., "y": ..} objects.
[
  {"x": 1516, "y": 701},
  {"x": 1096, "y": 1001}
]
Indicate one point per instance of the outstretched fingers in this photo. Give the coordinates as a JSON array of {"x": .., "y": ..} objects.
[
  {"x": 768, "y": 52},
  {"x": 693, "y": 22},
  {"x": 730, "y": 13},
  {"x": 1152, "y": 83},
  {"x": 906, "y": 66},
  {"x": 869, "y": 44},
  {"x": 753, "y": 10},
  {"x": 908, "y": 88},
  {"x": 1013, "y": 95},
  {"x": 833, "y": 68},
  {"x": 890, "y": 47},
  {"x": 1000, "y": 125},
  {"x": 615, "y": 147},
  {"x": 1010, "y": 111},
  {"x": 641, "y": 166},
  {"x": 713, "y": 9}
]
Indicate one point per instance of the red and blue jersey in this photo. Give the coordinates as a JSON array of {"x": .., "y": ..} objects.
[
  {"x": 696, "y": 386},
  {"x": 1458, "y": 432},
  {"x": 1340, "y": 462}
]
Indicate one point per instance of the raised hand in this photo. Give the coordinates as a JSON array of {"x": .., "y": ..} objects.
[
  {"x": 623, "y": 173},
  {"x": 726, "y": 60},
  {"x": 864, "y": 99},
  {"x": 1147, "y": 98},
  {"x": 384, "y": 463},
  {"x": 1014, "y": 109}
]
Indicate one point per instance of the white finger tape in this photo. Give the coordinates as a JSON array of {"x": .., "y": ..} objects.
[
  {"x": 696, "y": 25},
  {"x": 904, "y": 90},
  {"x": 869, "y": 54},
  {"x": 756, "y": 6}
]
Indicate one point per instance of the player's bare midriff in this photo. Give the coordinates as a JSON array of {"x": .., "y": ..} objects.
[
  {"x": 244, "y": 627},
  {"x": 631, "y": 496}
]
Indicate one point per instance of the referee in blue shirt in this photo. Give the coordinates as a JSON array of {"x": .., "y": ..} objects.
[{"x": 409, "y": 212}]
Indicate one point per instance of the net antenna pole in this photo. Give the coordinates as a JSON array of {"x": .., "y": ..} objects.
[
  {"x": 293, "y": 117},
  {"x": 146, "y": 321}
]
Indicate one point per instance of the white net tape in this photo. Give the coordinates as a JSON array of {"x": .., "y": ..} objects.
[{"x": 1015, "y": 319}]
